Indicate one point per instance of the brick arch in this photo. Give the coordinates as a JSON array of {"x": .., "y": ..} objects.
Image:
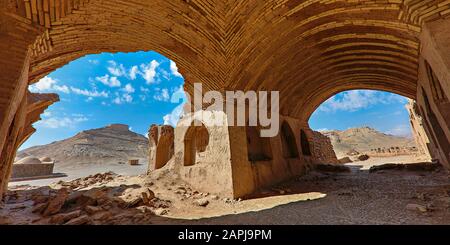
[
  {"x": 196, "y": 140},
  {"x": 288, "y": 141},
  {"x": 304, "y": 49},
  {"x": 361, "y": 41}
]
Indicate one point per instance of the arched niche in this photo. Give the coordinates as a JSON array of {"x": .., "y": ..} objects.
[
  {"x": 258, "y": 148},
  {"x": 196, "y": 140},
  {"x": 289, "y": 145},
  {"x": 304, "y": 143}
]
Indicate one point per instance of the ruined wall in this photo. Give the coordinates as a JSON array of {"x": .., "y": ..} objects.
[
  {"x": 394, "y": 151},
  {"x": 210, "y": 170},
  {"x": 433, "y": 91},
  {"x": 322, "y": 148},
  {"x": 251, "y": 175},
  {"x": 32, "y": 170},
  {"x": 418, "y": 130},
  {"x": 161, "y": 146}
]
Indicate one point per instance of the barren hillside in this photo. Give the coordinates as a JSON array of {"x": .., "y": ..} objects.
[
  {"x": 364, "y": 139},
  {"x": 112, "y": 144}
]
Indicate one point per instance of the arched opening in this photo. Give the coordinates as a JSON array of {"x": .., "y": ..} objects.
[
  {"x": 306, "y": 150},
  {"x": 289, "y": 144},
  {"x": 107, "y": 104},
  {"x": 259, "y": 148},
  {"x": 196, "y": 141},
  {"x": 366, "y": 124}
]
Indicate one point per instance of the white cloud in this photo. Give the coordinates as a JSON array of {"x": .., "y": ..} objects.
[
  {"x": 127, "y": 98},
  {"x": 166, "y": 119},
  {"x": 48, "y": 84},
  {"x": 93, "y": 93},
  {"x": 114, "y": 82},
  {"x": 133, "y": 72},
  {"x": 94, "y": 62},
  {"x": 128, "y": 88},
  {"x": 121, "y": 99},
  {"x": 117, "y": 101},
  {"x": 145, "y": 90},
  {"x": 355, "y": 100},
  {"x": 403, "y": 130},
  {"x": 174, "y": 69},
  {"x": 115, "y": 69},
  {"x": 61, "y": 122},
  {"x": 178, "y": 94},
  {"x": 162, "y": 95},
  {"x": 149, "y": 71},
  {"x": 323, "y": 130},
  {"x": 174, "y": 116},
  {"x": 109, "y": 81}
]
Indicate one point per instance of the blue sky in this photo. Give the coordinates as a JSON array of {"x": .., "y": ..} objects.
[
  {"x": 383, "y": 111},
  {"x": 136, "y": 89},
  {"x": 143, "y": 88}
]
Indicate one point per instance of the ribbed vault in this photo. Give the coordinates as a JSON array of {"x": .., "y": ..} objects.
[{"x": 306, "y": 49}]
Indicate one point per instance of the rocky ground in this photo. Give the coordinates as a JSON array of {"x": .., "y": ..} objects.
[{"x": 352, "y": 195}]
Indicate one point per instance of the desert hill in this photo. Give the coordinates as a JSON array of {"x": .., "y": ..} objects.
[
  {"x": 363, "y": 140},
  {"x": 112, "y": 144}
]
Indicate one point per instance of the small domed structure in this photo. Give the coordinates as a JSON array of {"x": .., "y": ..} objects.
[
  {"x": 46, "y": 160},
  {"x": 29, "y": 160}
]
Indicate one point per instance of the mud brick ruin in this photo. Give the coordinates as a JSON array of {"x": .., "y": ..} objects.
[{"x": 308, "y": 50}]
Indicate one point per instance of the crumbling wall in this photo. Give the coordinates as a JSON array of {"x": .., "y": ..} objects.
[
  {"x": 161, "y": 146},
  {"x": 32, "y": 170},
  {"x": 323, "y": 151},
  {"x": 418, "y": 130},
  {"x": 433, "y": 89},
  {"x": 394, "y": 151},
  {"x": 251, "y": 174},
  {"x": 210, "y": 170}
]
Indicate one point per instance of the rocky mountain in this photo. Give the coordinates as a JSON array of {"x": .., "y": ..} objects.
[
  {"x": 363, "y": 140},
  {"x": 112, "y": 144}
]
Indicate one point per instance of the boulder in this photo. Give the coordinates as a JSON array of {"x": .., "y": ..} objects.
[
  {"x": 55, "y": 204},
  {"x": 39, "y": 208},
  {"x": 363, "y": 157},
  {"x": 79, "y": 220},
  {"x": 61, "y": 218},
  {"x": 345, "y": 160},
  {"x": 131, "y": 197},
  {"x": 92, "y": 209},
  {"x": 202, "y": 202}
]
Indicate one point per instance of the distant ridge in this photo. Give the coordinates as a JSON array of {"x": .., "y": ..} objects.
[
  {"x": 364, "y": 139},
  {"x": 111, "y": 144}
]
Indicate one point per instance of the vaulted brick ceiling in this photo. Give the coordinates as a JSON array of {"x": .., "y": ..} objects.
[{"x": 306, "y": 49}]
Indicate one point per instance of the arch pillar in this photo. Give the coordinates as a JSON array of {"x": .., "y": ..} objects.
[
  {"x": 161, "y": 146},
  {"x": 432, "y": 108}
]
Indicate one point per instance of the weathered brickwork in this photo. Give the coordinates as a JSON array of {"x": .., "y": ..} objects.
[
  {"x": 307, "y": 49},
  {"x": 323, "y": 149}
]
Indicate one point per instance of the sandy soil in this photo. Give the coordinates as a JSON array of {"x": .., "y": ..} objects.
[
  {"x": 80, "y": 171},
  {"x": 356, "y": 197}
]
